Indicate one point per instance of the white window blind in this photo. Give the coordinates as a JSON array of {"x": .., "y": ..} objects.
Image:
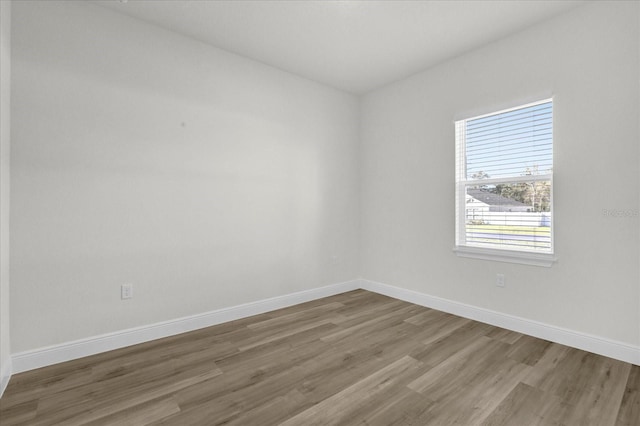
[{"x": 504, "y": 167}]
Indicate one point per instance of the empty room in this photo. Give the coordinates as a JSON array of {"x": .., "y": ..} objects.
[{"x": 320, "y": 212}]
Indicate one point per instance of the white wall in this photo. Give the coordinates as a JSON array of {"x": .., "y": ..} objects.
[
  {"x": 205, "y": 179},
  {"x": 209, "y": 180},
  {"x": 589, "y": 60},
  {"x": 5, "y": 104}
]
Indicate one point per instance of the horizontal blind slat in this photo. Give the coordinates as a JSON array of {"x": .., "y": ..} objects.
[{"x": 514, "y": 144}]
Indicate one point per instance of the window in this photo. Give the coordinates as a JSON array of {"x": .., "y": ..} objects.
[{"x": 504, "y": 167}]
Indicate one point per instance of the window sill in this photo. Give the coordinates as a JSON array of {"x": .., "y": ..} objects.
[{"x": 524, "y": 258}]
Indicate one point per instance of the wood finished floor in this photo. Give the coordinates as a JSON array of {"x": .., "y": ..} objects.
[{"x": 358, "y": 358}]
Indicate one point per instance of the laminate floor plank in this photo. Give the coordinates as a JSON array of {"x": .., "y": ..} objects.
[
  {"x": 429, "y": 316},
  {"x": 316, "y": 312},
  {"x": 361, "y": 314},
  {"x": 273, "y": 412},
  {"x": 292, "y": 348},
  {"x": 36, "y": 385},
  {"x": 357, "y": 358},
  {"x": 252, "y": 384},
  {"x": 602, "y": 394},
  {"x": 528, "y": 350},
  {"x": 473, "y": 382},
  {"x": 341, "y": 406},
  {"x": 445, "y": 343},
  {"x": 21, "y": 413},
  {"x": 506, "y": 336},
  {"x": 133, "y": 396},
  {"x": 525, "y": 406},
  {"x": 142, "y": 382},
  {"x": 629, "y": 412},
  {"x": 444, "y": 327},
  {"x": 396, "y": 315},
  {"x": 140, "y": 415},
  {"x": 259, "y": 386},
  {"x": 548, "y": 365},
  {"x": 353, "y": 362},
  {"x": 400, "y": 409}
]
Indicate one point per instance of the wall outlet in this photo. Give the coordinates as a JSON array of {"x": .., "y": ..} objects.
[
  {"x": 500, "y": 280},
  {"x": 126, "y": 291}
]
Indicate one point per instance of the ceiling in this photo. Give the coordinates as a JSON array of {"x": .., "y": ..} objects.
[{"x": 355, "y": 46}]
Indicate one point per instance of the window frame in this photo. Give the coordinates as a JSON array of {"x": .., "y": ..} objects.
[{"x": 461, "y": 248}]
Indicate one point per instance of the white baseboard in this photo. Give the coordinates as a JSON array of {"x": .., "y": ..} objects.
[
  {"x": 610, "y": 348},
  {"x": 50, "y": 355},
  {"x": 5, "y": 375},
  {"x": 43, "y": 357}
]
